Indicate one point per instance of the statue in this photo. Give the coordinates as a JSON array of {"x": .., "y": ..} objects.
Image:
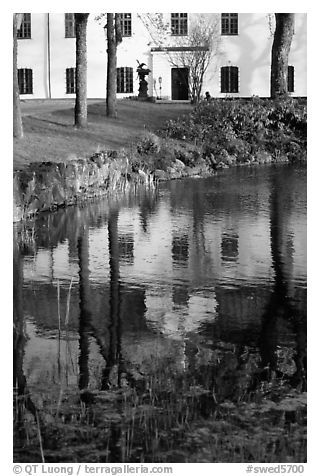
[{"x": 143, "y": 85}]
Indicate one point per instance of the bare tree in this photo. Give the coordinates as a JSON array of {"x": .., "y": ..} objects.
[
  {"x": 80, "y": 110},
  {"x": 17, "y": 119},
  {"x": 280, "y": 52},
  {"x": 193, "y": 51}
]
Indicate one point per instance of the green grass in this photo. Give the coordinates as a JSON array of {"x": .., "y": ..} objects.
[{"x": 49, "y": 133}]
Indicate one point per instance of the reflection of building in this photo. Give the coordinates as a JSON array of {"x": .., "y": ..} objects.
[
  {"x": 241, "y": 67},
  {"x": 215, "y": 271}
]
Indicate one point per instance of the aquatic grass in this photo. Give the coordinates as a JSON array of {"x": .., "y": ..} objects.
[
  {"x": 40, "y": 437},
  {"x": 170, "y": 417},
  {"x": 68, "y": 303},
  {"x": 66, "y": 322}
]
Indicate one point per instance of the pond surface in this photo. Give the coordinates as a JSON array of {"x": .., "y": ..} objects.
[{"x": 144, "y": 327}]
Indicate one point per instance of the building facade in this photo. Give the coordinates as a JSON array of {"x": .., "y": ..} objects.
[{"x": 239, "y": 64}]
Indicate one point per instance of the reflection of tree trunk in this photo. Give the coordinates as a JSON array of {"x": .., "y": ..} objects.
[
  {"x": 279, "y": 304},
  {"x": 276, "y": 305},
  {"x": 19, "y": 338},
  {"x": 202, "y": 259},
  {"x": 109, "y": 346},
  {"x": 18, "y": 321},
  {"x": 147, "y": 208},
  {"x": 85, "y": 315},
  {"x": 300, "y": 328},
  {"x": 114, "y": 328}
]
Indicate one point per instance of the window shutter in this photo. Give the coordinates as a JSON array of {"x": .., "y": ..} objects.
[
  {"x": 234, "y": 79},
  {"x": 124, "y": 80},
  {"x": 70, "y": 80},
  {"x": 25, "y": 28},
  {"x": 290, "y": 79},
  {"x": 224, "y": 79},
  {"x": 69, "y": 24},
  {"x": 25, "y": 81}
]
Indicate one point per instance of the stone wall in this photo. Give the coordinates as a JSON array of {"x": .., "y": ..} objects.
[{"x": 47, "y": 185}]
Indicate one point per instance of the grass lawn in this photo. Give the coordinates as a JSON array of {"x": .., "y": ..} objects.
[{"x": 49, "y": 134}]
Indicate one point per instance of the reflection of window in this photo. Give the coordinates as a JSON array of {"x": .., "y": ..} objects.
[
  {"x": 229, "y": 79},
  {"x": 126, "y": 248},
  {"x": 25, "y": 81},
  {"x": 180, "y": 249},
  {"x": 290, "y": 79},
  {"x": 126, "y": 24},
  {"x": 179, "y": 24},
  {"x": 180, "y": 295},
  {"x": 70, "y": 80},
  {"x": 69, "y": 25},
  {"x": 124, "y": 80},
  {"x": 25, "y": 28},
  {"x": 229, "y": 23},
  {"x": 229, "y": 247}
]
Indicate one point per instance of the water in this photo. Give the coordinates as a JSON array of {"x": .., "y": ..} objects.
[{"x": 200, "y": 286}]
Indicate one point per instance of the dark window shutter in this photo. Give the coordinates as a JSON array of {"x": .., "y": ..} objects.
[
  {"x": 126, "y": 24},
  {"x": 25, "y": 81},
  {"x": 290, "y": 79},
  {"x": 70, "y": 80},
  {"x": 69, "y": 24},
  {"x": 229, "y": 23},
  {"x": 224, "y": 79},
  {"x": 124, "y": 80},
  {"x": 25, "y": 28},
  {"x": 234, "y": 79}
]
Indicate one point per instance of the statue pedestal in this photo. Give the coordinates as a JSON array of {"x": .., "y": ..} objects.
[
  {"x": 143, "y": 84},
  {"x": 143, "y": 90}
]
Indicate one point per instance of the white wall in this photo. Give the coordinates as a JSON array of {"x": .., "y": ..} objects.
[
  {"x": 32, "y": 53},
  {"x": 63, "y": 56},
  {"x": 250, "y": 51}
]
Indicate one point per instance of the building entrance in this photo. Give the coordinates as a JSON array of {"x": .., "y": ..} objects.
[{"x": 179, "y": 84}]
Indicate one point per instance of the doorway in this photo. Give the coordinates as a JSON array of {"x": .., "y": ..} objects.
[{"x": 179, "y": 84}]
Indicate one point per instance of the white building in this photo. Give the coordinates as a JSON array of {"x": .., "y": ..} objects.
[{"x": 239, "y": 66}]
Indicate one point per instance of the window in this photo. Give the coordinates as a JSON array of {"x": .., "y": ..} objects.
[
  {"x": 229, "y": 23},
  {"x": 290, "y": 79},
  {"x": 69, "y": 25},
  {"x": 179, "y": 24},
  {"x": 126, "y": 25},
  {"x": 70, "y": 80},
  {"x": 124, "y": 80},
  {"x": 126, "y": 248},
  {"x": 25, "y": 81},
  {"x": 25, "y": 28},
  {"x": 229, "y": 79}
]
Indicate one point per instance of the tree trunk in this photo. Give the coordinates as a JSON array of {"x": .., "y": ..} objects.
[
  {"x": 114, "y": 38},
  {"x": 280, "y": 53},
  {"x": 17, "y": 119},
  {"x": 80, "y": 111}
]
